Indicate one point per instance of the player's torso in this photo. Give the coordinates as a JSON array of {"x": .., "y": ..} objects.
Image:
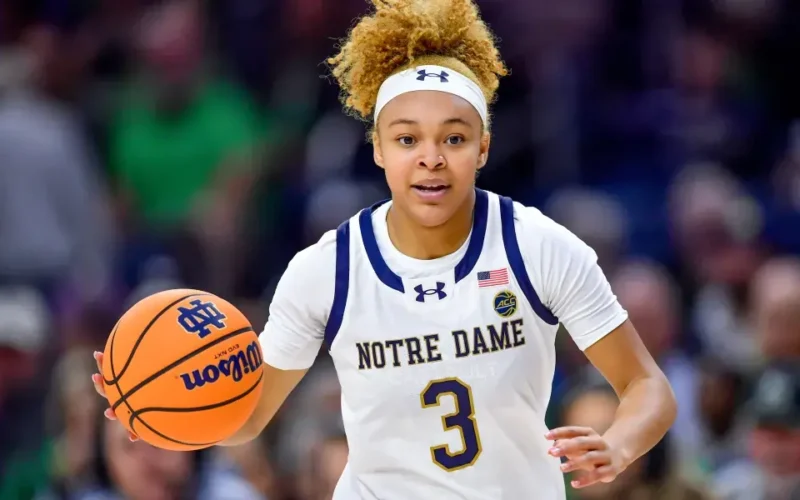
[{"x": 445, "y": 378}]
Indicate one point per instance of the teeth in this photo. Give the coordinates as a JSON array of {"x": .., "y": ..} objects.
[{"x": 430, "y": 188}]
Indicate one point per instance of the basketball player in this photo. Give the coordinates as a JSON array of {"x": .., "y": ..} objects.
[{"x": 440, "y": 307}]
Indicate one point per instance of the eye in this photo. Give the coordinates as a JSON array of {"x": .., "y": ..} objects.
[
  {"x": 454, "y": 140},
  {"x": 406, "y": 140}
]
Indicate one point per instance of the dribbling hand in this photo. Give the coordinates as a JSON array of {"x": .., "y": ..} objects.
[
  {"x": 97, "y": 380},
  {"x": 587, "y": 451}
]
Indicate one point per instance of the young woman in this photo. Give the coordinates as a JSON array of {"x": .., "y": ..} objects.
[{"x": 440, "y": 307}]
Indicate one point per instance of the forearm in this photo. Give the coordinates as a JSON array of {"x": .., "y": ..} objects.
[
  {"x": 277, "y": 386},
  {"x": 248, "y": 432},
  {"x": 646, "y": 411}
]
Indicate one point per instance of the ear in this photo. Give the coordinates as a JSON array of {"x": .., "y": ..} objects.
[
  {"x": 377, "y": 155},
  {"x": 483, "y": 158}
]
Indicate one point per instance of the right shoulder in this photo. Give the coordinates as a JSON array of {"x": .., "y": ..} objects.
[
  {"x": 309, "y": 280},
  {"x": 313, "y": 267},
  {"x": 300, "y": 307}
]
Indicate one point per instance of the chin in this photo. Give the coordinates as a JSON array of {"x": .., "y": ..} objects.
[{"x": 431, "y": 216}]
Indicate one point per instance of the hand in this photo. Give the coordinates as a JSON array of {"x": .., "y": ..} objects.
[
  {"x": 586, "y": 450},
  {"x": 97, "y": 380}
]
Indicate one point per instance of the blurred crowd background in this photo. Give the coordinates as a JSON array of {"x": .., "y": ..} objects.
[{"x": 150, "y": 145}]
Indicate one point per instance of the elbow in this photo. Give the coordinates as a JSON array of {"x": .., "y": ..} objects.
[{"x": 670, "y": 402}]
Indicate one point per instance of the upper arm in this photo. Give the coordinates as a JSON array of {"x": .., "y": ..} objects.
[
  {"x": 300, "y": 307},
  {"x": 294, "y": 331},
  {"x": 621, "y": 357},
  {"x": 569, "y": 281},
  {"x": 576, "y": 291}
]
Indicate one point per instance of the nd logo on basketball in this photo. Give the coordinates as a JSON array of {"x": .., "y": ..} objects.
[
  {"x": 240, "y": 363},
  {"x": 200, "y": 317},
  {"x": 505, "y": 304}
]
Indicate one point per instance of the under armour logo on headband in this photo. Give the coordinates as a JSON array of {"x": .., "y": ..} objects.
[
  {"x": 441, "y": 76},
  {"x": 435, "y": 78}
]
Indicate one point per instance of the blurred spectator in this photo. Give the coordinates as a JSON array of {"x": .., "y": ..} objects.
[
  {"x": 715, "y": 125},
  {"x": 721, "y": 447},
  {"x": 775, "y": 439},
  {"x": 137, "y": 471},
  {"x": 593, "y": 405},
  {"x": 253, "y": 462},
  {"x": 597, "y": 219},
  {"x": 311, "y": 415},
  {"x": 326, "y": 463},
  {"x": 54, "y": 230},
  {"x": 776, "y": 309},
  {"x": 63, "y": 462},
  {"x": 660, "y": 130},
  {"x": 24, "y": 333},
  {"x": 182, "y": 149},
  {"x": 653, "y": 303},
  {"x": 716, "y": 226}
]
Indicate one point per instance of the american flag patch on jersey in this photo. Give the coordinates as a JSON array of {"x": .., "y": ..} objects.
[{"x": 493, "y": 278}]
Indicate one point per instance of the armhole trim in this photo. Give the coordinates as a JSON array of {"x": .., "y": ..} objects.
[
  {"x": 342, "y": 283},
  {"x": 517, "y": 264}
]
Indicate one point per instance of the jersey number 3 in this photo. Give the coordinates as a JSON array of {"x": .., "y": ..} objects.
[{"x": 463, "y": 419}]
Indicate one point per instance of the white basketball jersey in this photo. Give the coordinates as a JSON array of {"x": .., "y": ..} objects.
[{"x": 446, "y": 378}]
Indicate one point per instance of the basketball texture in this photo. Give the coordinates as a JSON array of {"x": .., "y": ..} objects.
[{"x": 182, "y": 369}]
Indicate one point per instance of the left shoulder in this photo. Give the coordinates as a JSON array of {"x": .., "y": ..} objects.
[
  {"x": 536, "y": 231},
  {"x": 564, "y": 272}
]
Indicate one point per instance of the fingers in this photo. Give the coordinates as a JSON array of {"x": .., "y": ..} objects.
[
  {"x": 97, "y": 378},
  {"x": 97, "y": 381},
  {"x": 604, "y": 474},
  {"x": 577, "y": 446},
  {"x": 569, "y": 432},
  {"x": 98, "y": 358},
  {"x": 588, "y": 462}
]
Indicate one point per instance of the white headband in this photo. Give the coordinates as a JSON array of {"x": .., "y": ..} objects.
[{"x": 432, "y": 77}]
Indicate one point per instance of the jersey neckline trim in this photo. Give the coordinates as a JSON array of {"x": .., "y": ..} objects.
[{"x": 461, "y": 270}]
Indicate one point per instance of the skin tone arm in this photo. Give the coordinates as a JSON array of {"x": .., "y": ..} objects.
[
  {"x": 646, "y": 411},
  {"x": 277, "y": 386}
]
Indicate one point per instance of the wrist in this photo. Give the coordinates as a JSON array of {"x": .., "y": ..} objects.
[{"x": 622, "y": 453}]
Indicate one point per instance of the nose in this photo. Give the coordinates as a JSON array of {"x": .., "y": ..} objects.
[{"x": 432, "y": 160}]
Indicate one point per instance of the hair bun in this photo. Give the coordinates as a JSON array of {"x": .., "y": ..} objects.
[{"x": 400, "y": 33}]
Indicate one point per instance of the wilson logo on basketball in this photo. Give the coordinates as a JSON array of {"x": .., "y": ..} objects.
[{"x": 234, "y": 364}]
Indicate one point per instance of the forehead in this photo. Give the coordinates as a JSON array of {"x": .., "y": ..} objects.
[{"x": 428, "y": 107}]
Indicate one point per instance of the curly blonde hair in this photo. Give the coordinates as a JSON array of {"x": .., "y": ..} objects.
[{"x": 400, "y": 34}]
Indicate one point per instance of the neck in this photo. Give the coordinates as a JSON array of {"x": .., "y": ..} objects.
[{"x": 426, "y": 243}]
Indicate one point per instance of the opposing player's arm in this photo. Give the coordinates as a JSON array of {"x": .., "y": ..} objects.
[
  {"x": 578, "y": 293},
  {"x": 294, "y": 332}
]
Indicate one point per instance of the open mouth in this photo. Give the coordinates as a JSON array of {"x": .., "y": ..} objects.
[
  {"x": 438, "y": 188},
  {"x": 430, "y": 192}
]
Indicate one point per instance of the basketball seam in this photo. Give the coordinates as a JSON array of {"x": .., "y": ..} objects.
[
  {"x": 124, "y": 396},
  {"x": 137, "y": 414},
  {"x": 139, "y": 340},
  {"x": 114, "y": 376}
]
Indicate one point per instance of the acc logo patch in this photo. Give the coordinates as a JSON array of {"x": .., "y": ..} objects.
[{"x": 505, "y": 304}]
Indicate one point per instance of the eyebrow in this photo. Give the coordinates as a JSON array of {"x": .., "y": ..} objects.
[{"x": 449, "y": 121}]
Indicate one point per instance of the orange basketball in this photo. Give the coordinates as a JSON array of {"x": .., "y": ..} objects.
[{"x": 182, "y": 369}]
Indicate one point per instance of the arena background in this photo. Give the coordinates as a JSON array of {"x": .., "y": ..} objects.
[{"x": 662, "y": 132}]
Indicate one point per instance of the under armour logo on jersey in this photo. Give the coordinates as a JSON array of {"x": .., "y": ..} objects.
[
  {"x": 200, "y": 317},
  {"x": 438, "y": 291},
  {"x": 424, "y": 74}
]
